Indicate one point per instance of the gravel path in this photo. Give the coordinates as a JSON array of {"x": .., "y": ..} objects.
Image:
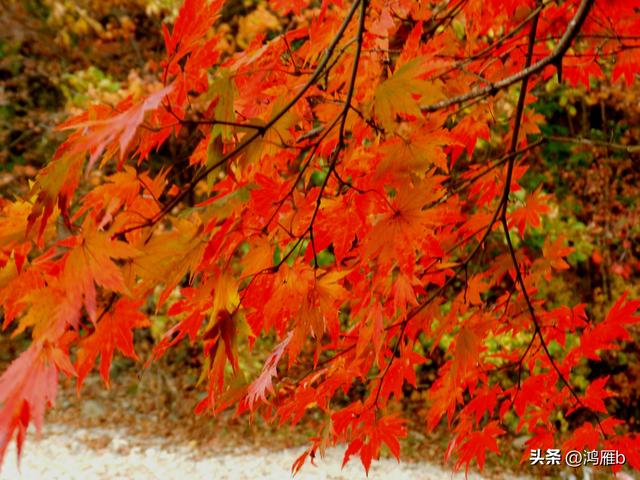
[{"x": 67, "y": 453}]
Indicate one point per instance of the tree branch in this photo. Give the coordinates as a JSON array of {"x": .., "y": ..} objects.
[
  {"x": 254, "y": 136},
  {"x": 573, "y": 28},
  {"x": 505, "y": 226}
]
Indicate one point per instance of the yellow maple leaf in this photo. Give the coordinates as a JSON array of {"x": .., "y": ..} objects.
[
  {"x": 90, "y": 263},
  {"x": 168, "y": 257},
  {"x": 401, "y": 93}
]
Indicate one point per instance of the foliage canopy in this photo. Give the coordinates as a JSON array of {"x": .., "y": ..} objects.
[{"x": 351, "y": 186}]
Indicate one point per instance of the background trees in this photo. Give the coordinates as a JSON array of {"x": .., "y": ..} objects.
[{"x": 351, "y": 181}]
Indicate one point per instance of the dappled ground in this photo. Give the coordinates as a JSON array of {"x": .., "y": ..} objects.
[
  {"x": 144, "y": 428},
  {"x": 69, "y": 453}
]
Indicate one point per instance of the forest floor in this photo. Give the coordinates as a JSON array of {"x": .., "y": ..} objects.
[
  {"x": 69, "y": 453},
  {"x": 144, "y": 427}
]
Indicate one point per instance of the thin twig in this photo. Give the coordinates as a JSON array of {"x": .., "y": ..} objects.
[
  {"x": 563, "y": 45},
  {"x": 254, "y": 136},
  {"x": 596, "y": 143},
  {"x": 512, "y": 252}
]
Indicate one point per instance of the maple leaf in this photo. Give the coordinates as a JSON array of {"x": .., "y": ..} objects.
[
  {"x": 565, "y": 320},
  {"x": 595, "y": 394},
  {"x": 54, "y": 186},
  {"x": 333, "y": 229},
  {"x": 417, "y": 153},
  {"x": 280, "y": 132},
  {"x": 467, "y": 349},
  {"x": 27, "y": 387},
  {"x": 474, "y": 287},
  {"x": 194, "y": 19},
  {"x": 402, "y": 91},
  {"x": 628, "y": 444},
  {"x": 626, "y": 66},
  {"x": 371, "y": 332},
  {"x": 475, "y": 446},
  {"x": 188, "y": 326},
  {"x": 607, "y": 334},
  {"x": 583, "y": 437},
  {"x": 121, "y": 128},
  {"x": 52, "y": 309},
  {"x": 623, "y": 311},
  {"x": 468, "y": 131},
  {"x": 166, "y": 258},
  {"x": 300, "y": 461},
  {"x": 13, "y": 225},
  {"x": 103, "y": 202},
  {"x": 541, "y": 438},
  {"x": 370, "y": 437},
  {"x": 89, "y": 262},
  {"x": 529, "y": 214},
  {"x": 285, "y": 6},
  {"x": 114, "y": 331},
  {"x": 554, "y": 253},
  {"x": 483, "y": 403},
  {"x": 391, "y": 429},
  {"x": 399, "y": 371},
  {"x": 581, "y": 69},
  {"x": 391, "y": 236},
  {"x": 220, "y": 346},
  {"x": 259, "y": 256},
  {"x": 403, "y": 292},
  {"x": 226, "y": 92},
  {"x": 262, "y": 384},
  {"x": 225, "y": 296}
]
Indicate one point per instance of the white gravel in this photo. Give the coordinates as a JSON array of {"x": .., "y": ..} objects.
[{"x": 63, "y": 453}]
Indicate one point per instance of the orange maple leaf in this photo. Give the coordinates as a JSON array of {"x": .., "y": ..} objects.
[
  {"x": 114, "y": 331},
  {"x": 529, "y": 213}
]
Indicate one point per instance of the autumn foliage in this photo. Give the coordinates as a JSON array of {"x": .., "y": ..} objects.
[{"x": 349, "y": 187}]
